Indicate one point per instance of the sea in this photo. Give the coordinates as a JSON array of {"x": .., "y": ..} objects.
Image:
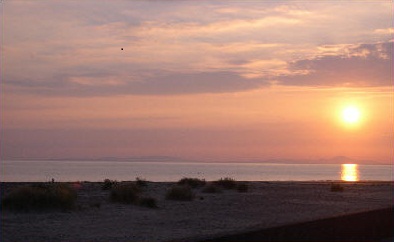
[{"x": 72, "y": 171}]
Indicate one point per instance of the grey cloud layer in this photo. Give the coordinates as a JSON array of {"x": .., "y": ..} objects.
[
  {"x": 365, "y": 65},
  {"x": 177, "y": 47},
  {"x": 163, "y": 84}
]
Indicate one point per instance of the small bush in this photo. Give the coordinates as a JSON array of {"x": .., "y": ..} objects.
[
  {"x": 337, "y": 188},
  {"x": 108, "y": 184},
  {"x": 192, "y": 182},
  {"x": 211, "y": 188},
  {"x": 40, "y": 197},
  {"x": 148, "y": 202},
  {"x": 180, "y": 193},
  {"x": 243, "y": 187},
  {"x": 124, "y": 193},
  {"x": 226, "y": 183},
  {"x": 141, "y": 182}
]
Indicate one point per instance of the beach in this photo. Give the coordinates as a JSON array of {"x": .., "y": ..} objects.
[{"x": 208, "y": 216}]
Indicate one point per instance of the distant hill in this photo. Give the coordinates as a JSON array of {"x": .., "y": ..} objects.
[{"x": 333, "y": 160}]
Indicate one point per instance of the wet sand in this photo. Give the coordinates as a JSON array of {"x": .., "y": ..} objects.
[{"x": 209, "y": 217}]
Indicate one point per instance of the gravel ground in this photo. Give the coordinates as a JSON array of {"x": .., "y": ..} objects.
[{"x": 265, "y": 205}]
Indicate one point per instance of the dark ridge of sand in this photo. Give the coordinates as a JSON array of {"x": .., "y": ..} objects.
[
  {"x": 377, "y": 225},
  {"x": 267, "y": 209}
]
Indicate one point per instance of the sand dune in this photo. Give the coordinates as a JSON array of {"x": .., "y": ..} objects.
[{"x": 265, "y": 205}]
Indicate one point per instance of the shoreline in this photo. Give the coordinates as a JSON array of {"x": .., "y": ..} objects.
[
  {"x": 266, "y": 205},
  {"x": 171, "y": 172},
  {"x": 247, "y": 181}
]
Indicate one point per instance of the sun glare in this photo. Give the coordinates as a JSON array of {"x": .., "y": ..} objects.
[
  {"x": 351, "y": 114},
  {"x": 349, "y": 172}
]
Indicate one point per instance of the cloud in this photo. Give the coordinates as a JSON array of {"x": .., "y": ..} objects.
[
  {"x": 150, "y": 83},
  {"x": 364, "y": 65},
  {"x": 177, "y": 47}
]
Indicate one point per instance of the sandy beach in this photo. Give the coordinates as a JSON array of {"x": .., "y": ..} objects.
[{"x": 265, "y": 205}]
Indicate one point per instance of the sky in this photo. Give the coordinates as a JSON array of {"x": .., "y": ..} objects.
[{"x": 200, "y": 80}]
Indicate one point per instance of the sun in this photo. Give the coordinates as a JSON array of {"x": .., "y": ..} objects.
[{"x": 351, "y": 114}]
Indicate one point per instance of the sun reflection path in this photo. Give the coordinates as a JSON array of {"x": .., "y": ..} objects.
[{"x": 349, "y": 172}]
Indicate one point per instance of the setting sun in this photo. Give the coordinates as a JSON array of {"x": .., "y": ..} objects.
[{"x": 351, "y": 114}]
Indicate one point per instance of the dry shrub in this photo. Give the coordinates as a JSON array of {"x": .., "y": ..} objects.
[
  {"x": 180, "y": 193},
  {"x": 125, "y": 193},
  {"x": 40, "y": 197},
  {"x": 141, "y": 182},
  {"x": 108, "y": 184},
  {"x": 211, "y": 188},
  {"x": 192, "y": 182},
  {"x": 226, "y": 183}
]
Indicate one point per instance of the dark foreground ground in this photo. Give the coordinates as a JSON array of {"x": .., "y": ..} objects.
[
  {"x": 377, "y": 225},
  {"x": 268, "y": 211}
]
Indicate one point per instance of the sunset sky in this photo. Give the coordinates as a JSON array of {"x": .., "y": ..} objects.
[{"x": 202, "y": 80}]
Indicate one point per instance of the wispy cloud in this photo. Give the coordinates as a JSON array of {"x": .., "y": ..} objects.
[
  {"x": 365, "y": 65},
  {"x": 69, "y": 48}
]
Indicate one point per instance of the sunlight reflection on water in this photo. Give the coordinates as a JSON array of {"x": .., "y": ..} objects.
[
  {"x": 28, "y": 171},
  {"x": 349, "y": 172}
]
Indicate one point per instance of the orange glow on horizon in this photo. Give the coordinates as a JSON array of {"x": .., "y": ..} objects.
[{"x": 349, "y": 172}]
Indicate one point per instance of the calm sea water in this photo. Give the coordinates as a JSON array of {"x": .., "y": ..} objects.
[{"x": 17, "y": 171}]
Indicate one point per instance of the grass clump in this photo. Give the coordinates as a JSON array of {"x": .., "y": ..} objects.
[
  {"x": 211, "y": 188},
  {"x": 125, "y": 193},
  {"x": 192, "y": 182},
  {"x": 148, "y": 202},
  {"x": 180, "y": 193},
  {"x": 129, "y": 193},
  {"x": 336, "y": 187},
  {"x": 40, "y": 197},
  {"x": 226, "y": 183},
  {"x": 243, "y": 187},
  {"x": 108, "y": 184},
  {"x": 141, "y": 182}
]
